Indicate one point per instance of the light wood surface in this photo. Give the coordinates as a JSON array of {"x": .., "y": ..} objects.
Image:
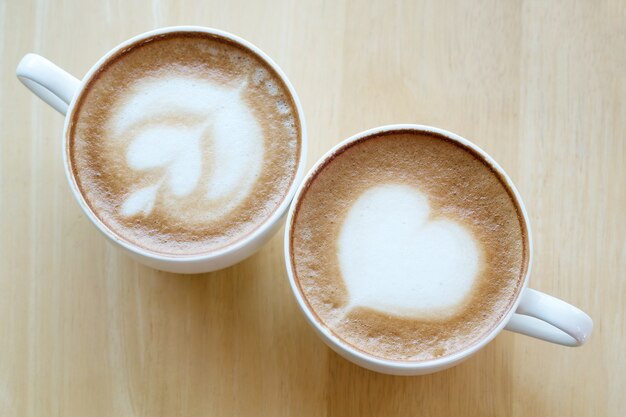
[{"x": 540, "y": 85}]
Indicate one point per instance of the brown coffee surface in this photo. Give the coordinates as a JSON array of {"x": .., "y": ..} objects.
[
  {"x": 461, "y": 186},
  {"x": 155, "y": 173}
]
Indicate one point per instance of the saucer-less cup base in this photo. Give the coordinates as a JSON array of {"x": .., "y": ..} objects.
[
  {"x": 60, "y": 90},
  {"x": 533, "y": 313}
]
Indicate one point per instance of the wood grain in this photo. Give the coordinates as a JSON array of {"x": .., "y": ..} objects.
[{"x": 85, "y": 331}]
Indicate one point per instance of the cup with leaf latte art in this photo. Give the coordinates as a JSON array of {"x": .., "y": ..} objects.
[{"x": 184, "y": 145}]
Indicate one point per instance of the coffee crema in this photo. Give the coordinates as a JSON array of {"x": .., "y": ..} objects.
[
  {"x": 408, "y": 246},
  {"x": 184, "y": 143}
]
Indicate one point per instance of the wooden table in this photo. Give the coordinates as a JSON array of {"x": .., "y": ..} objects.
[{"x": 86, "y": 331}]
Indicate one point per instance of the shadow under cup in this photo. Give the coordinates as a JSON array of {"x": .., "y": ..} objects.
[{"x": 461, "y": 184}]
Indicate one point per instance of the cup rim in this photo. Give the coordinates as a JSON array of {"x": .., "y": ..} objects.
[
  {"x": 349, "y": 350},
  {"x": 238, "y": 245}
]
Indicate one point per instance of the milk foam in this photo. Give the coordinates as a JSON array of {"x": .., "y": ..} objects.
[
  {"x": 197, "y": 132},
  {"x": 396, "y": 259}
]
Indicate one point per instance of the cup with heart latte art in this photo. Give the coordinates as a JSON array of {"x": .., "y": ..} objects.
[
  {"x": 408, "y": 249},
  {"x": 183, "y": 145}
]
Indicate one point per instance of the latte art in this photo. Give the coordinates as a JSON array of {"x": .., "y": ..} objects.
[
  {"x": 197, "y": 131},
  {"x": 184, "y": 143},
  {"x": 395, "y": 259}
]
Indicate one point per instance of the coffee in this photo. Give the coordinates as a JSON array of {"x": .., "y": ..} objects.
[
  {"x": 184, "y": 143},
  {"x": 408, "y": 245}
]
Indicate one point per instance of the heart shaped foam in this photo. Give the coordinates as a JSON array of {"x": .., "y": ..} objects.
[
  {"x": 394, "y": 259},
  {"x": 166, "y": 119}
]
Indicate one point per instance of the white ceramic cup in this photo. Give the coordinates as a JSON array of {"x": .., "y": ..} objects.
[
  {"x": 533, "y": 313},
  {"x": 61, "y": 91}
]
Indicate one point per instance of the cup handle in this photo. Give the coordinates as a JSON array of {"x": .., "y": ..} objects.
[
  {"x": 548, "y": 318},
  {"x": 49, "y": 82}
]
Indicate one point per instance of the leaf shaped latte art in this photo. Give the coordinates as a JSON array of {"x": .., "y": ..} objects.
[
  {"x": 196, "y": 132},
  {"x": 141, "y": 201}
]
